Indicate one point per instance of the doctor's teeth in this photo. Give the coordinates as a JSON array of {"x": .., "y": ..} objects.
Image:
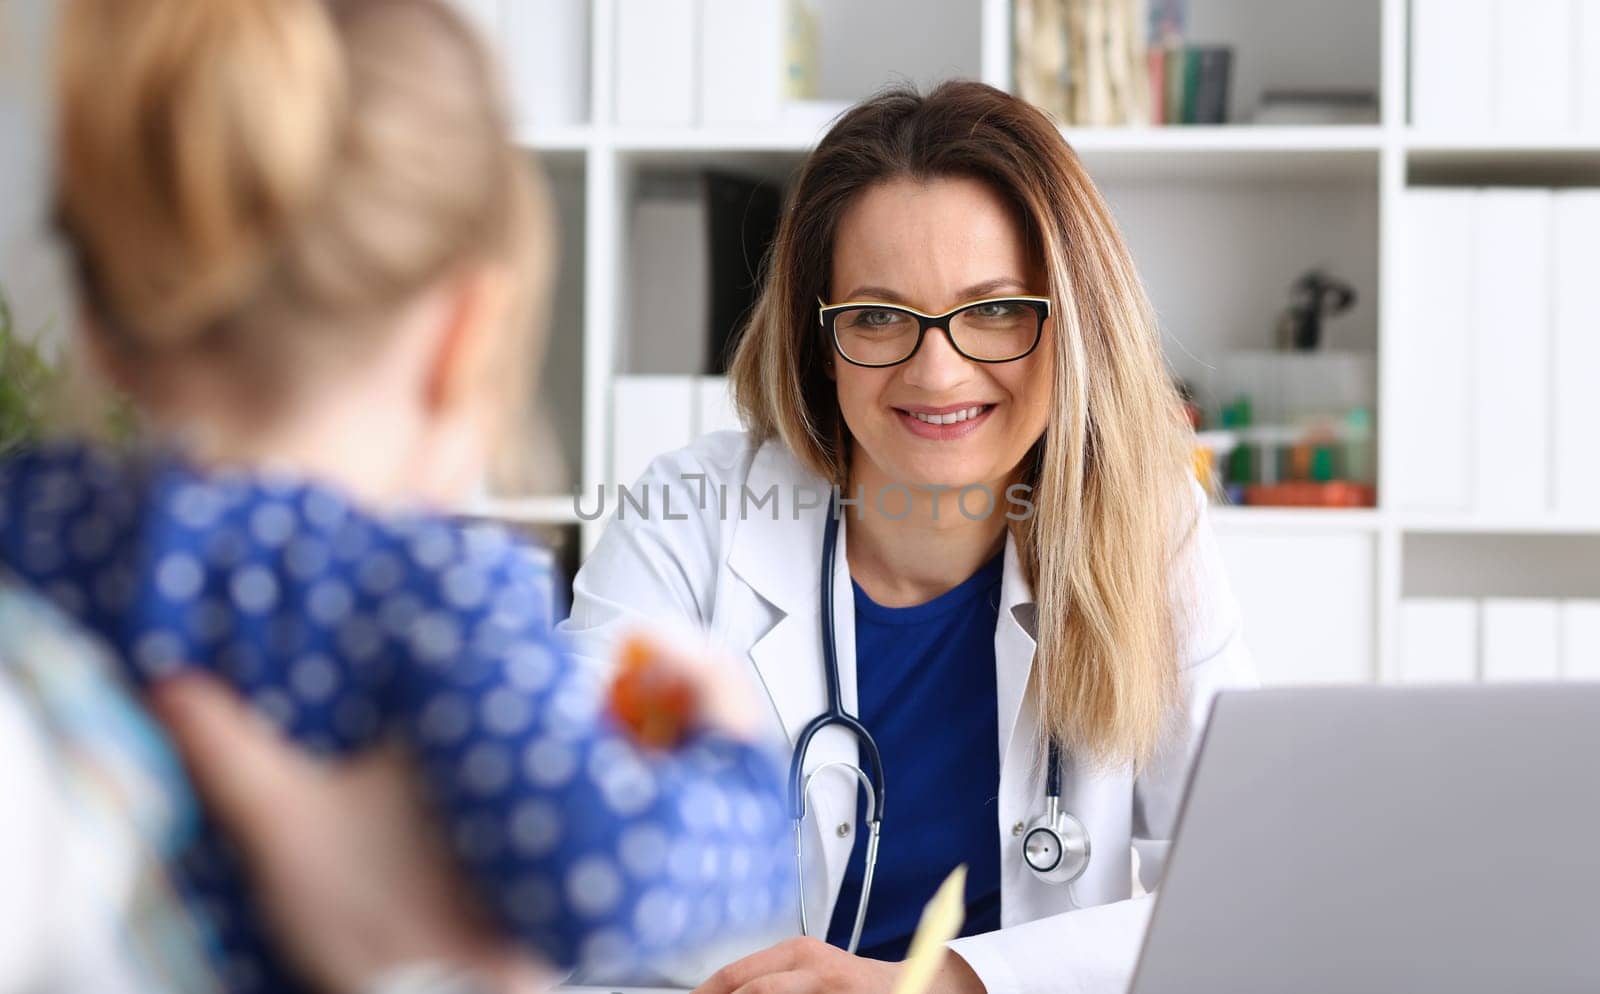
[{"x": 948, "y": 419}]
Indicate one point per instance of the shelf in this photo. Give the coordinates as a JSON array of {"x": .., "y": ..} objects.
[
  {"x": 1230, "y": 152},
  {"x": 1473, "y": 524},
  {"x": 776, "y": 138},
  {"x": 553, "y": 510},
  {"x": 1370, "y": 519},
  {"x": 557, "y": 141},
  {"x": 1230, "y": 138},
  {"x": 1507, "y": 143},
  {"x": 1294, "y": 519},
  {"x": 1546, "y": 159},
  {"x": 1199, "y": 152}
]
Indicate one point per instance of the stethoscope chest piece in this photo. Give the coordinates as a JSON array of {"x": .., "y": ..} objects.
[{"x": 1056, "y": 847}]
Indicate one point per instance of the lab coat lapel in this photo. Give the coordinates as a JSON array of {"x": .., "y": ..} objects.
[
  {"x": 778, "y": 553},
  {"x": 1014, "y": 647}
]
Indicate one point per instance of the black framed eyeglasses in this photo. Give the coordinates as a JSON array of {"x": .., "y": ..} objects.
[{"x": 996, "y": 329}]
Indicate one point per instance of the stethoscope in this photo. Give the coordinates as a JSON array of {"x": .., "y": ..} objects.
[{"x": 1055, "y": 846}]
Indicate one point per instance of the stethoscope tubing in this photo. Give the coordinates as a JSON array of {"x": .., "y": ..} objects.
[{"x": 871, "y": 778}]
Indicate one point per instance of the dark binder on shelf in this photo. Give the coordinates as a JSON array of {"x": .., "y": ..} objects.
[
  {"x": 1211, "y": 65},
  {"x": 742, "y": 217}
]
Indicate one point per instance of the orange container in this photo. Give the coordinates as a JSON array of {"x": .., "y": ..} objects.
[
  {"x": 655, "y": 704},
  {"x": 1303, "y": 493}
]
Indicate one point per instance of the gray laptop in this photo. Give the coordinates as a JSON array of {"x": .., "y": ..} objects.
[{"x": 1373, "y": 839}]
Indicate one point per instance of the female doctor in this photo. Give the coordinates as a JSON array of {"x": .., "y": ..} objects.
[{"x": 952, "y": 334}]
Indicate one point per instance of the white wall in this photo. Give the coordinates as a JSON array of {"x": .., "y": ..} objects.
[
  {"x": 1218, "y": 258},
  {"x": 31, "y": 270},
  {"x": 920, "y": 41},
  {"x": 1325, "y": 43}
]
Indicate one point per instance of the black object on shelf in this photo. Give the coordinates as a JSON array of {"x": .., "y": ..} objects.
[
  {"x": 742, "y": 214},
  {"x": 1317, "y": 106},
  {"x": 1213, "y": 65},
  {"x": 1314, "y": 296}
]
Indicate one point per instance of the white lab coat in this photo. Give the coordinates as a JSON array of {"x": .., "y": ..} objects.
[{"x": 753, "y": 583}]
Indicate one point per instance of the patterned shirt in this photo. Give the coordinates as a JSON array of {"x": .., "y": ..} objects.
[{"x": 344, "y": 626}]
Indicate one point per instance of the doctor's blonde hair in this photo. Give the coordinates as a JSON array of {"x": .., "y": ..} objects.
[{"x": 1111, "y": 480}]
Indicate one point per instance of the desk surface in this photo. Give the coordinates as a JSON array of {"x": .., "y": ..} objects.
[{"x": 604, "y": 989}]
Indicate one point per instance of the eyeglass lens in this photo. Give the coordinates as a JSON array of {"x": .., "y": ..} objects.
[{"x": 990, "y": 331}]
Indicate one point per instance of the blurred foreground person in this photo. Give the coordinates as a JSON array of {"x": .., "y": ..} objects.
[{"x": 311, "y": 258}]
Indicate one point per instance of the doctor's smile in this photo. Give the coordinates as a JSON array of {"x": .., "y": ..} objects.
[{"x": 945, "y": 423}]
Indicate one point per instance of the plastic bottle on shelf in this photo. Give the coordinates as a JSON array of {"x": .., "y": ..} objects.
[
  {"x": 1358, "y": 445},
  {"x": 800, "y": 52},
  {"x": 1241, "y": 464}
]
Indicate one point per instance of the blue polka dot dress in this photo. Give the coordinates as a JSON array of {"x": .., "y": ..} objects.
[{"x": 344, "y": 627}]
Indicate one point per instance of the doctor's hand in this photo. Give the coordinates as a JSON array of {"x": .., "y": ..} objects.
[
  {"x": 342, "y": 858},
  {"x": 811, "y": 966}
]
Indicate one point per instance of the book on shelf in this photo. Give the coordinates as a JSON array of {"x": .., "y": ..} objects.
[
  {"x": 1176, "y": 79},
  {"x": 695, "y": 253},
  {"x": 1533, "y": 71},
  {"x": 668, "y": 279},
  {"x": 1452, "y": 53},
  {"x": 742, "y": 221},
  {"x": 1586, "y": 34},
  {"x": 1576, "y": 354},
  {"x": 1430, "y": 365},
  {"x": 1462, "y": 640},
  {"x": 546, "y": 56},
  {"x": 1316, "y": 107},
  {"x": 1511, "y": 283},
  {"x": 655, "y": 59},
  {"x": 1523, "y": 66},
  {"x": 1085, "y": 62},
  {"x": 544, "y": 49},
  {"x": 742, "y": 49},
  {"x": 1497, "y": 365}
]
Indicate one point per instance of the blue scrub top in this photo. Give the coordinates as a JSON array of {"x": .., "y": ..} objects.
[{"x": 926, "y": 691}]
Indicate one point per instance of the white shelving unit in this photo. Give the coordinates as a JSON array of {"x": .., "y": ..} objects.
[{"x": 1211, "y": 213}]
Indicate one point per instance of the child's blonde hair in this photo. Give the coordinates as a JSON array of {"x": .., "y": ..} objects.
[{"x": 259, "y": 184}]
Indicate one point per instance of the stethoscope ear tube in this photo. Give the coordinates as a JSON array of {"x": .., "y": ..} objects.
[
  {"x": 835, "y": 713},
  {"x": 870, "y": 779},
  {"x": 874, "y": 834}
]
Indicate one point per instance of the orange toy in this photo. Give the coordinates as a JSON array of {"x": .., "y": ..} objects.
[{"x": 652, "y": 702}]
